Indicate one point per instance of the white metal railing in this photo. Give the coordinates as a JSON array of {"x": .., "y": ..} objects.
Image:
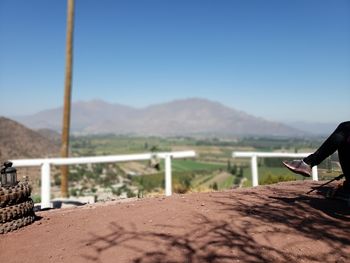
[
  {"x": 47, "y": 162},
  {"x": 254, "y": 161}
]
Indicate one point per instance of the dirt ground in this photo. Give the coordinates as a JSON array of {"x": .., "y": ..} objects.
[{"x": 276, "y": 223}]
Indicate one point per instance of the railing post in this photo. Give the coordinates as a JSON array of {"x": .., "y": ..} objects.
[
  {"x": 45, "y": 185},
  {"x": 254, "y": 164},
  {"x": 314, "y": 173},
  {"x": 168, "y": 183}
]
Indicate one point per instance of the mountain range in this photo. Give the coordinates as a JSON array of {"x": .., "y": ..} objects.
[
  {"x": 187, "y": 117},
  {"x": 17, "y": 141}
]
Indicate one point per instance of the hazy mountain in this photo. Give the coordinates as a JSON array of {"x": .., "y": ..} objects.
[
  {"x": 180, "y": 117},
  {"x": 315, "y": 128},
  {"x": 17, "y": 141},
  {"x": 85, "y": 116},
  {"x": 50, "y": 134}
]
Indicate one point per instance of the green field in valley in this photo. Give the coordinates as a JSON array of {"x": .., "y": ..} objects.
[
  {"x": 212, "y": 168},
  {"x": 179, "y": 165}
]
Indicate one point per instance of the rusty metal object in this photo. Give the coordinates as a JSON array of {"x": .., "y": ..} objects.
[
  {"x": 14, "y": 194},
  {"x": 16, "y": 206},
  {"x": 18, "y": 223},
  {"x": 17, "y": 211}
]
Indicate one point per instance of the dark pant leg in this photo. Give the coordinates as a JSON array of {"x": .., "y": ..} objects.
[
  {"x": 344, "y": 159},
  {"x": 338, "y": 140}
]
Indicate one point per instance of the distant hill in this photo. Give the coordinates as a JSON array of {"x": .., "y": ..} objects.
[
  {"x": 52, "y": 135},
  {"x": 316, "y": 128},
  {"x": 188, "y": 117},
  {"x": 17, "y": 141}
]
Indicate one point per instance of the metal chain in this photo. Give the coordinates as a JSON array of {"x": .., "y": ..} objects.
[
  {"x": 15, "y": 224},
  {"x": 16, "y": 207},
  {"x": 14, "y": 194},
  {"x": 10, "y": 213}
]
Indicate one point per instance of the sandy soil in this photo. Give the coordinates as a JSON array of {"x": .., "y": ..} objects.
[{"x": 276, "y": 223}]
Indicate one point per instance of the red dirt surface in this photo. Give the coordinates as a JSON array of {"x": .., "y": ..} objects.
[{"x": 276, "y": 223}]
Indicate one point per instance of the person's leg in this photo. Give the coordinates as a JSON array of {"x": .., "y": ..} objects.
[
  {"x": 338, "y": 140},
  {"x": 344, "y": 159}
]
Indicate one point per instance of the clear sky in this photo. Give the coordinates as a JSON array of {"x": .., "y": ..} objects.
[{"x": 277, "y": 59}]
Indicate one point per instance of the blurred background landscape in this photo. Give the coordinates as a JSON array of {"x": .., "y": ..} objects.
[
  {"x": 158, "y": 76},
  {"x": 213, "y": 169}
]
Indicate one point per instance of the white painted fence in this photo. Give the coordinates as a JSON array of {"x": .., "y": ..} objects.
[
  {"x": 47, "y": 162},
  {"x": 254, "y": 161}
]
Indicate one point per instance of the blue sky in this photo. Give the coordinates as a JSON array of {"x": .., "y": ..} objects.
[{"x": 282, "y": 60}]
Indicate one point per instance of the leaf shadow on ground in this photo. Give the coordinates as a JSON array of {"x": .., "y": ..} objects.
[
  {"x": 311, "y": 216},
  {"x": 226, "y": 244},
  {"x": 245, "y": 233}
]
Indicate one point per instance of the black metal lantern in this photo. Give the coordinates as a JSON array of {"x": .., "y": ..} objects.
[{"x": 8, "y": 174}]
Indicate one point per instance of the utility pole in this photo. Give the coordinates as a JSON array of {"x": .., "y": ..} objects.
[{"x": 67, "y": 96}]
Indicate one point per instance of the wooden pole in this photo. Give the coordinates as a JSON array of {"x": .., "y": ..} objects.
[{"x": 67, "y": 96}]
